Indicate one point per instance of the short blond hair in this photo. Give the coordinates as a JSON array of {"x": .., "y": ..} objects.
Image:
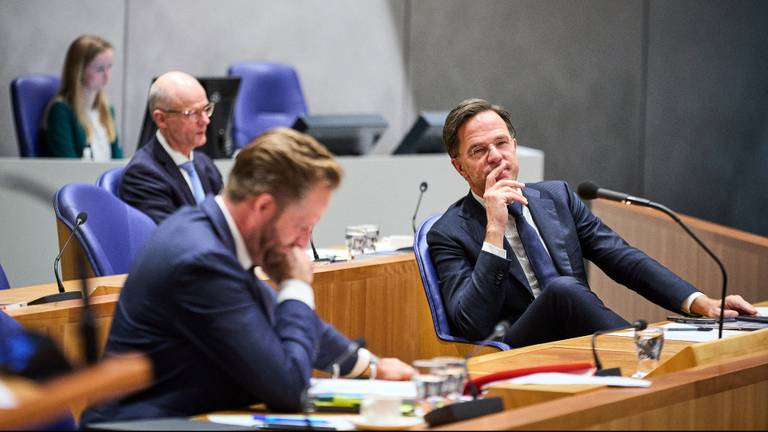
[{"x": 284, "y": 163}]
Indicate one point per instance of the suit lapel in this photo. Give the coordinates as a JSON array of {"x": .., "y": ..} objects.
[
  {"x": 551, "y": 230},
  {"x": 178, "y": 182},
  {"x": 261, "y": 292},
  {"x": 201, "y": 171},
  {"x": 475, "y": 220}
]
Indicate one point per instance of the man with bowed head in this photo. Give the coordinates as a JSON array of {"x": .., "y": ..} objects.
[
  {"x": 512, "y": 251},
  {"x": 166, "y": 173},
  {"x": 218, "y": 337}
]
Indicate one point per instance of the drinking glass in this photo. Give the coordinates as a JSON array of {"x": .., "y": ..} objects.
[
  {"x": 454, "y": 369},
  {"x": 354, "y": 237},
  {"x": 649, "y": 343},
  {"x": 371, "y": 238},
  {"x": 429, "y": 386}
]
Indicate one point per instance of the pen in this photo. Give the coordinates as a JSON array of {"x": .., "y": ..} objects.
[{"x": 689, "y": 329}]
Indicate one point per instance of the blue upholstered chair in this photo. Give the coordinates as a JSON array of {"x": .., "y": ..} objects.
[
  {"x": 432, "y": 287},
  {"x": 109, "y": 180},
  {"x": 113, "y": 232},
  {"x": 30, "y": 95},
  {"x": 270, "y": 96},
  {"x": 3, "y": 280}
]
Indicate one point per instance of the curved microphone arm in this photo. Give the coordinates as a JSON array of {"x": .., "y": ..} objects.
[{"x": 674, "y": 217}]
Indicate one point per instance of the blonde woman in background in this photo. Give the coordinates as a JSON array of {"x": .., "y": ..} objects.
[{"x": 80, "y": 122}]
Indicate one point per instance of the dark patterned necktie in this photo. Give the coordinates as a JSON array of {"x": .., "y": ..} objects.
[{"x": 537, "y": 254}]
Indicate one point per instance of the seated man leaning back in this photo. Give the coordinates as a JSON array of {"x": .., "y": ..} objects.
[
  {"x": 515, "y": 251},
  {"x": 218, "y": 337}
]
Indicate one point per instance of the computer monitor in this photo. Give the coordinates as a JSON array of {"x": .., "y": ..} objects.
[
  {"x": 223, "y": 92},
  {"x": 343, "y": 134},
  {"x": 426, "y": 134}
]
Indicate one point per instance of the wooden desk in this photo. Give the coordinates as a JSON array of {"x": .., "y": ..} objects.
[
  {"x": 379, "y": 298},
  {"x": 727, "y": 392}
]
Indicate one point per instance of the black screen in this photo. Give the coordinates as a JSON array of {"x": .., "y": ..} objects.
[
  {"x": 343, "y": 134},
  {"x": 426, "y": 134}
]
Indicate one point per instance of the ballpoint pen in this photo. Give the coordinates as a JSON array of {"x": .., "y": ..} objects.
[{"x": 689, "y": 329}]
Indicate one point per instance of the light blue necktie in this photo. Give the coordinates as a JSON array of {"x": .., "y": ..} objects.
[
  {"x": 540, "y": 260},
  {"x": 197, "y": 187}
]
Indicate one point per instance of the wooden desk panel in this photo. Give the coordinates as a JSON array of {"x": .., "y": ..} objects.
[
  {"x": 744, "y": 255},
  {"x": 729, "y": 394},
  {"x": 379, "y": 298}
]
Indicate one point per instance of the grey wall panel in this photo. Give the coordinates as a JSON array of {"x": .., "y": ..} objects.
[
  {"x": 348, "y": 54},
  {"x": 34, "y": 37},
  {"x": 707, "y": 123},
  {"x": 569, "y": 71}
]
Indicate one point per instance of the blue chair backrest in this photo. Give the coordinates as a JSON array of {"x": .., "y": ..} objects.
[
  {"x": 3, "y": 280},
  {"x": 30, "y": 95},
  {"x": 114, "y": 231},
  {"x": 109, "y": 180},
  {"x": 270, "y": 95},
  {"x": 431, "y": 283}
]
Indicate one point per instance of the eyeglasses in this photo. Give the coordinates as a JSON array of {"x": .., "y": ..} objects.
[{"x": 207, "y": 110}]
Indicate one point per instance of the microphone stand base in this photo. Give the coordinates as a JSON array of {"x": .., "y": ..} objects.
[
  {"x": 464, "y": 411},
  {"x": 52, "y": 298},
  {"x": 609, "y": 372}
]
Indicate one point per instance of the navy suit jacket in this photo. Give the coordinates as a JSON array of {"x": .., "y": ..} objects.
[
  {"x": 215, "y": 334},
  {"x": 153, "y": 183},
  {"x": 480, "y": 289}
]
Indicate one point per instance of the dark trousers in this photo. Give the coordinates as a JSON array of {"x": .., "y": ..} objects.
[{"x": 566, "y": 308}]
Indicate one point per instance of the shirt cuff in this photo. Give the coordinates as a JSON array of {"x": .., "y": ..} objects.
[
  {"x": 295, "y": 289},
  {"x": 363, "y": 359},
  {"x": 689, "y": 301},
  {"x": 492, "y": 249}
]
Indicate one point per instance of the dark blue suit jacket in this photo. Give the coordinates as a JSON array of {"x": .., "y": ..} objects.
[
  {"x": 480, "y": 289},
  {"x": 216, "y": 336},
  {"x": 153, "y": 183}
]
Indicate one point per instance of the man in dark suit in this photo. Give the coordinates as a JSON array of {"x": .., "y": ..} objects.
[
  {"x": 513, "y": 251},
  {"x": 166, "y": 173},
  {"x": 217, "y": 336}
]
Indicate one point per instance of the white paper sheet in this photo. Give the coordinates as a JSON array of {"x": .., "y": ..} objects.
[
  {"x": 566, "y": 378},
  {"x": 403, "y": 389},
  {"x": 688, "y": 336}
]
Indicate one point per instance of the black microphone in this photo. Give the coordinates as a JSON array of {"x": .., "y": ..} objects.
[
  {"x": 499, "y": 331},
  {"x": 63, "y": 295},
  {"x": 476, "y": 407},
  {"x": 315, "y": 254},
  {"x": 588, "y": 190},
  {"x": 422, "y": 188},
  {"x": 599, "y": 371}
]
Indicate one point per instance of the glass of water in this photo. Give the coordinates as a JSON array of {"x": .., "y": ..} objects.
[
  {"x": 454, "y": 369},
  {"x": 354, "y": 237},
  {"x": 649, "y": 343},
  {"x": 429, "y": 386}
]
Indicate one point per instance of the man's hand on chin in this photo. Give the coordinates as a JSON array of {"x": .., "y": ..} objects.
[{"x": 282, "y": 263}]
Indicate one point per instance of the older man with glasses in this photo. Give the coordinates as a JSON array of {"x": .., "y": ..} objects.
[{"x": 166, "y": 173}]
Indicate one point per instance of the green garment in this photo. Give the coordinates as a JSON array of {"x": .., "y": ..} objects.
[{"x": 65, "y": 136}]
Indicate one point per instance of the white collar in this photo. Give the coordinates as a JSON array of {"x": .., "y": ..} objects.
[
  {"x": 177, "y": 157},
  {"x": 240, "y": 250}
]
